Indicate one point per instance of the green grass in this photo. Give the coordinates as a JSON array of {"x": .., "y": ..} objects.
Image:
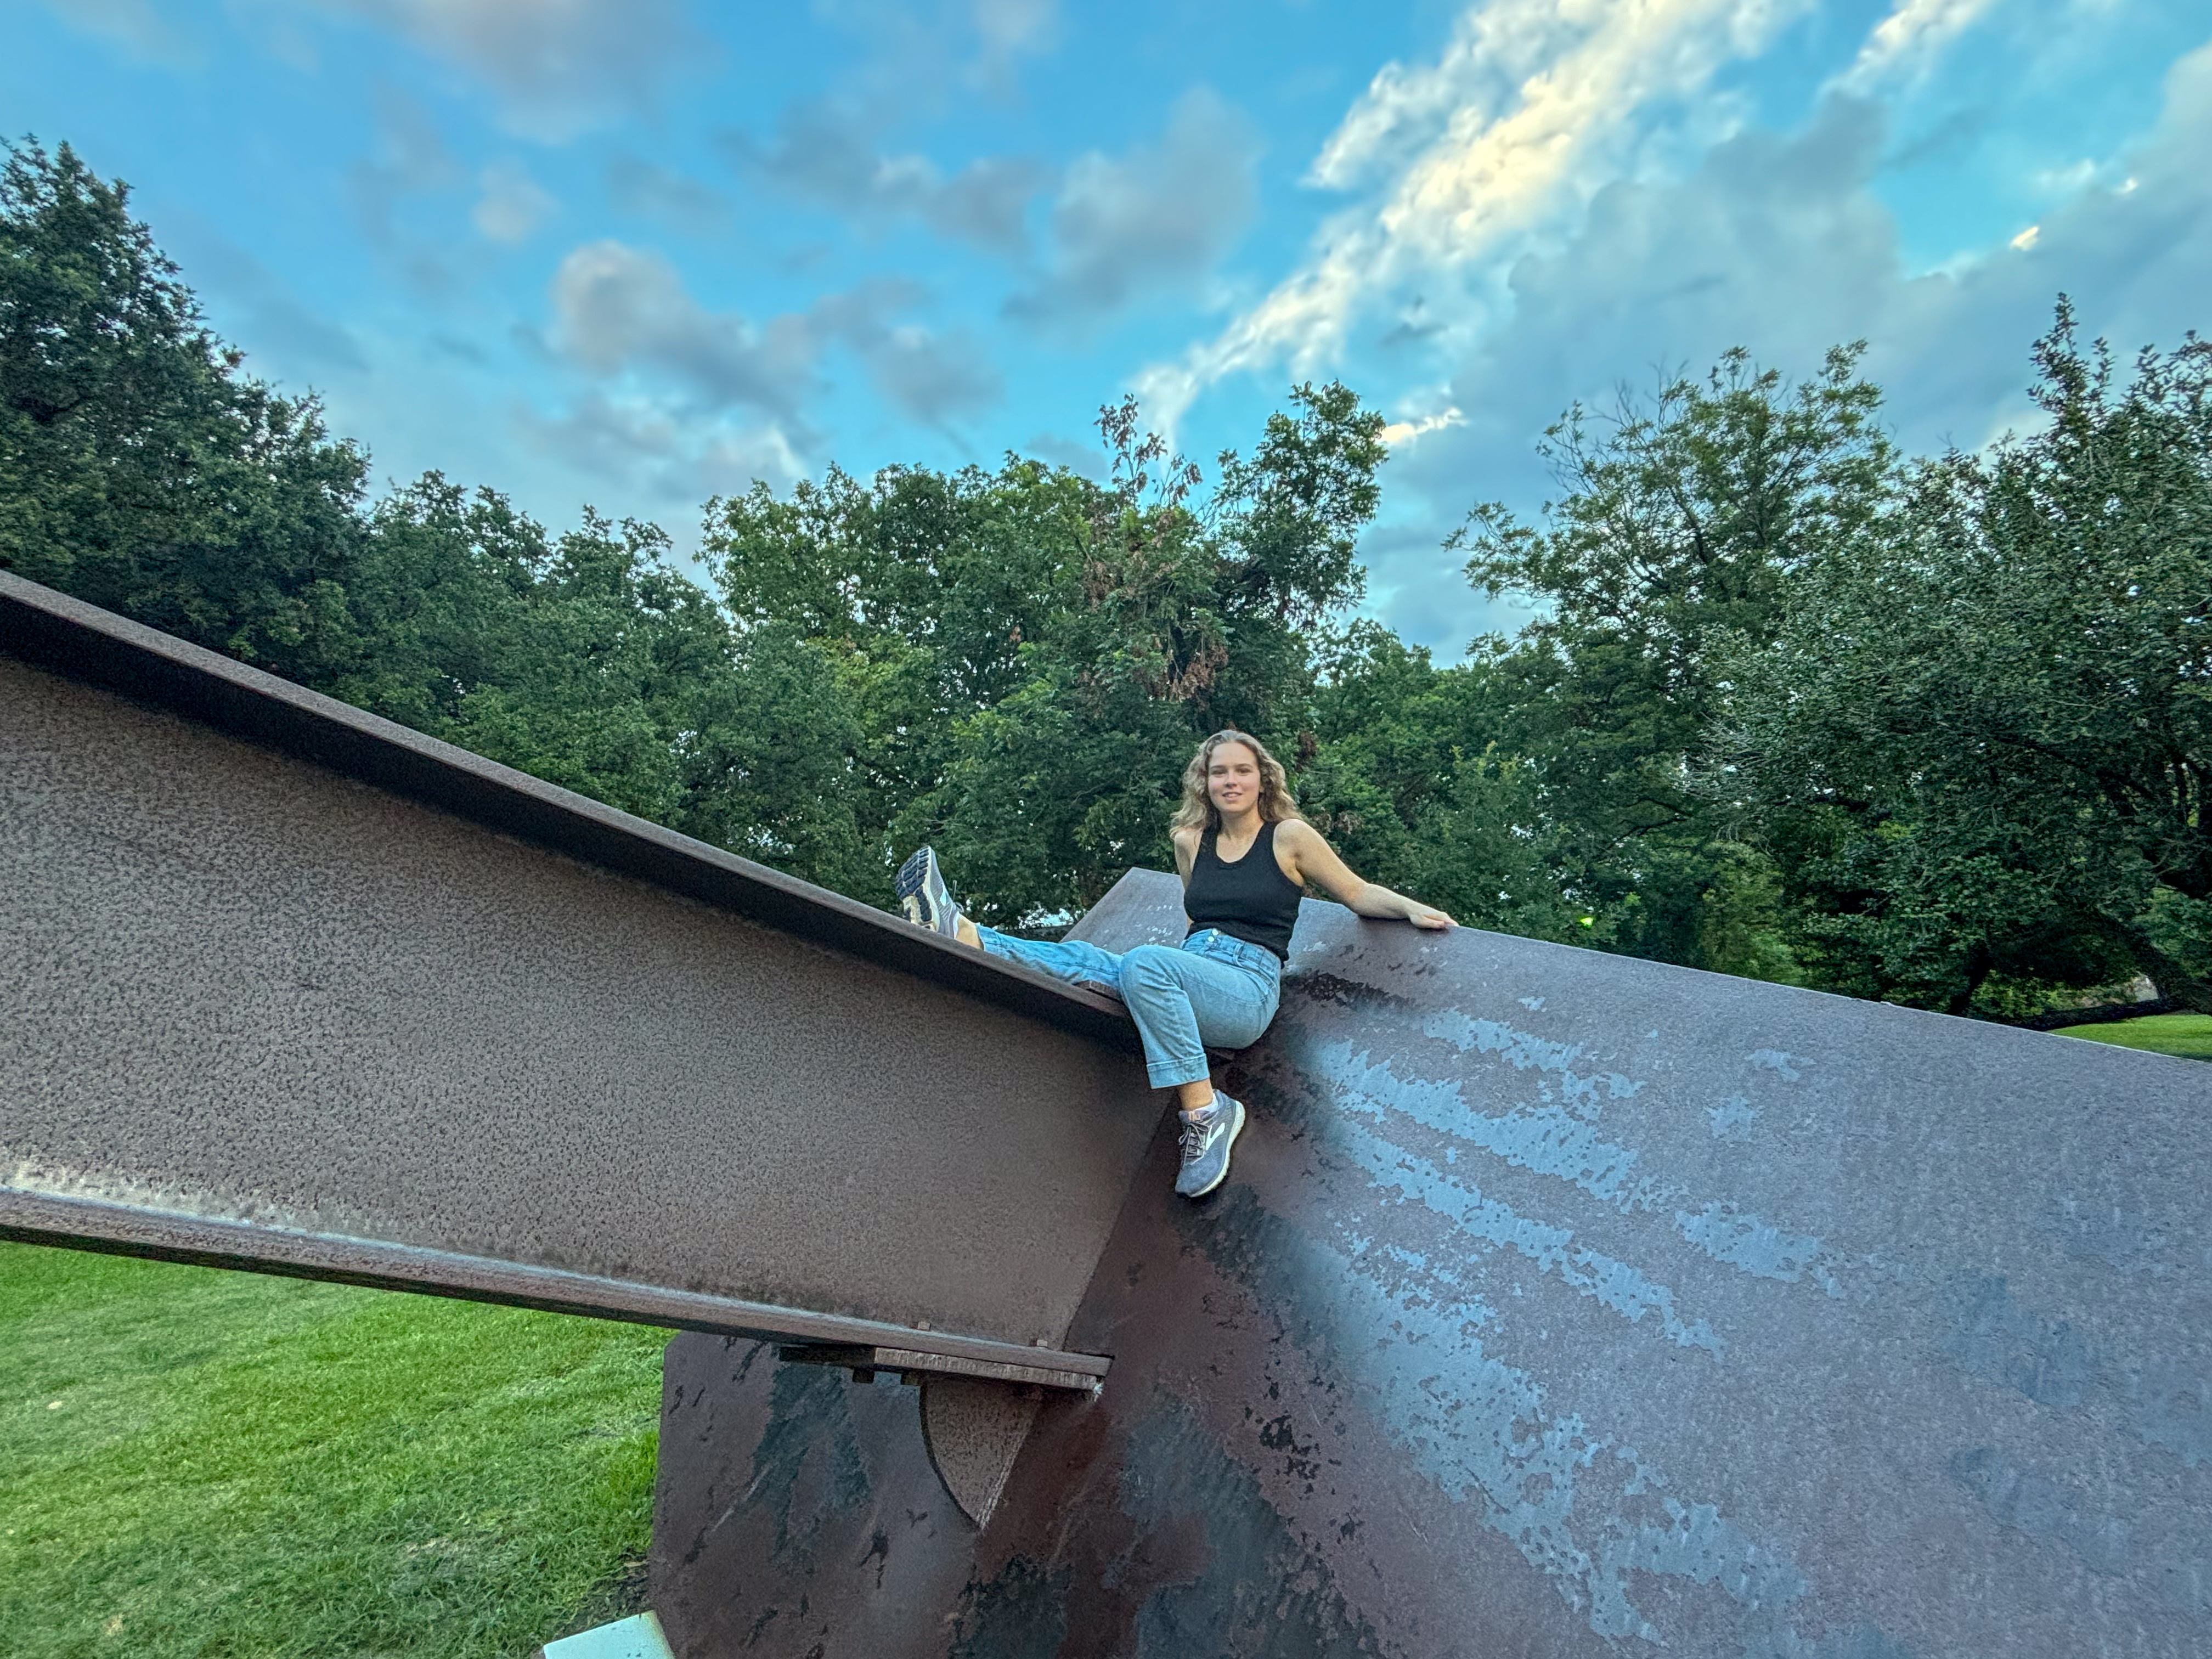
[
  {"x": 224, "y": 1466},
  {"x": 2188, "y": 1036}
]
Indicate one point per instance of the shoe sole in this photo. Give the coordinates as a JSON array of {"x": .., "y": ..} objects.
[
  {"x": 1234, "y": 1130},
  {"x": 913, "y": 886}
]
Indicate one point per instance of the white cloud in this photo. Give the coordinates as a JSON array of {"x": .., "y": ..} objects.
[
  {"x": 1162, "y": 214},
  {"x": 1399, "y": 433},
  {"x": 827, "y": 152},
  {"x": 558, "y": 67},
  {"x": 615, "y": 308},
  {"x": 1781, "y": 244},
  {"x": 1906, "y": 45},
  {"x": 1532, "y": 107},
  {"x": 619, "y": 310},
  {"x": 513, "y": 204},
  {"x": 673, "y": 465}
]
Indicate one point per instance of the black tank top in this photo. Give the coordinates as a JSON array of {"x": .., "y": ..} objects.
[{"x": 1251, "y": 899}]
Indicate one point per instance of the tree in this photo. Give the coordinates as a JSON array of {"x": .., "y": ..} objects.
[
  {"x": 139, "y": 469},
  {"x": 1684, "y": 518},
  {"x": 1031, "y": 656},
  {"x": 1989, "y": 717}
]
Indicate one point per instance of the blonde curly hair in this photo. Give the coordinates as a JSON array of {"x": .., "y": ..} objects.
[{"x": 1198, "y": 811}]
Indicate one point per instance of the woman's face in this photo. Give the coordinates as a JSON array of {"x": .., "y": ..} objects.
[{"x": 1232, "y": 778}]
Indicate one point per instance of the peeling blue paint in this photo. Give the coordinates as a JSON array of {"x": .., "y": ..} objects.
[
  {"x": 1526, "y": 1051},
  {"x": 1732, "y": 1117},
  {"x": 1773, "y": 1060},
  {"x": 1613, "y": 1284},
  {"x": 1700, "y": 1544},
  {"x": 1549, "y": 1140},
  {"x": 1758, "y": 1247},
  {"x": 1565, "y": 1495}
]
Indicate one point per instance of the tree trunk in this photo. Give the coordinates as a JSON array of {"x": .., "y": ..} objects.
[
  {"x": 1978, "y": 961},
  {"x": 2168, "y": 977}
]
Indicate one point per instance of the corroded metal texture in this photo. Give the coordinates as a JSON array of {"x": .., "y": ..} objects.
[
  {"x": 976, "y": 1432},
  {"x": 1561, "y": 1304},
  {"x": 255, "y": 1008},
  {"x": 797, "y": 1511}
]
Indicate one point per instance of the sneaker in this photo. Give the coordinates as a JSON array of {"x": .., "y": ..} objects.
[
  {"x": 1206, "y": 1147},
  {"x": 924, "y": 897}
]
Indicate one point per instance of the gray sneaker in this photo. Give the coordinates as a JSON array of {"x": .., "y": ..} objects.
[
  {"x": 924, "y": 897},
  {"x": 1206, "y": 1147}
]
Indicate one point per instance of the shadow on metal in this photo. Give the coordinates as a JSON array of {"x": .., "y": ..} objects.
[{"x": 1557, "y": 1304}]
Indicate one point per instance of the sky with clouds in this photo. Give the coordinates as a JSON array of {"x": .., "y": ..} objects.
[{"x": 636, "y": 252}]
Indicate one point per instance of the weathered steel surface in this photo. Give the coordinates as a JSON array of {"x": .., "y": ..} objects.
[
  {"x": 1560, "y": 1304},
  {"x": 797, "y": 1511},
  {"x": 42, "y": 627},
  {"x": 975, "y": 1432},
  {"x": 255, "y": 1008}
]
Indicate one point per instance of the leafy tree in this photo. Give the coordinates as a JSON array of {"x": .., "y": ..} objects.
[
  {"x": 1031, "y": 656},
  {"x": 1684, "y": 519},
  {"x": 139, "y": 469},
  {"x": 1987, "y": 721}
]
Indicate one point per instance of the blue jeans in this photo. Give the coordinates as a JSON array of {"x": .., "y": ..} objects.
[{"x": 1212, "y": 991}]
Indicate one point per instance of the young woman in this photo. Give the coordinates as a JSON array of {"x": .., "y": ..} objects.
[{"x": 1244, "y": 854}]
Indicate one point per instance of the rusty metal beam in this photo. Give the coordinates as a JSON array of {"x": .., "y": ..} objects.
[
  {"x": 1557, "y": 1303},
  {"x": 287, "y": 986},
  {"x": 826, "y": 1339}
]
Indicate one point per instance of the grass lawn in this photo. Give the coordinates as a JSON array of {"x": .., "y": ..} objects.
[
  {"x": 2187, "y": 1035},
  {"x": 225, "y": 1466}
]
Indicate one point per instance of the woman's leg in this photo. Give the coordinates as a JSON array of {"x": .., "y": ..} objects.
[
  {"x": 1182, "y": 1001},
  {"x": 1067, "y": 960}
]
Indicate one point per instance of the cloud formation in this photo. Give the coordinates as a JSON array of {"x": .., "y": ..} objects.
[
  {"x": 931, "y": 377},
  {"x": 632, "y": 443},
  {"x": 512, "y": 204},
  {"x": 1007, "y": 31},
  {"x": 1907, "y": 44},
  {"x": 826, "y": 153},
  {"x": 559, "y": 68},
  {"x": 1781, "y": 244},
  {"x": 1161, "y": 216},
  {"x": 624, "y": 316},
  {"x": 411, "y": 159},
  {"x": 615, "y": 308},
  {"x": 1530, "y": 108}
]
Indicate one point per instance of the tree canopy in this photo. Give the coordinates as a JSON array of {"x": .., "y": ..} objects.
[{"x": 1791, "y": 705}]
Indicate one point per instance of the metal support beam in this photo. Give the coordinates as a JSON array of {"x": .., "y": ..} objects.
[{"x": 286, "y": 986}]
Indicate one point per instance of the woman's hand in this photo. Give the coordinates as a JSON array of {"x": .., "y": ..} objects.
[{"x": 1314, "y": 861}]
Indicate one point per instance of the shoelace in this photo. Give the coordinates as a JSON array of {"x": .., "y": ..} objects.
[{"x": 1193, "y": 1140}]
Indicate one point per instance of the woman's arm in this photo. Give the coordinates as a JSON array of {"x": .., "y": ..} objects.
[
  {"x": 1315, "y": 863},
  {"x": 1186, "y": 852}
]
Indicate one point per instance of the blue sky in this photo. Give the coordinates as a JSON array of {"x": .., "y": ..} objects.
[{"x": 636, "y": 252}]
